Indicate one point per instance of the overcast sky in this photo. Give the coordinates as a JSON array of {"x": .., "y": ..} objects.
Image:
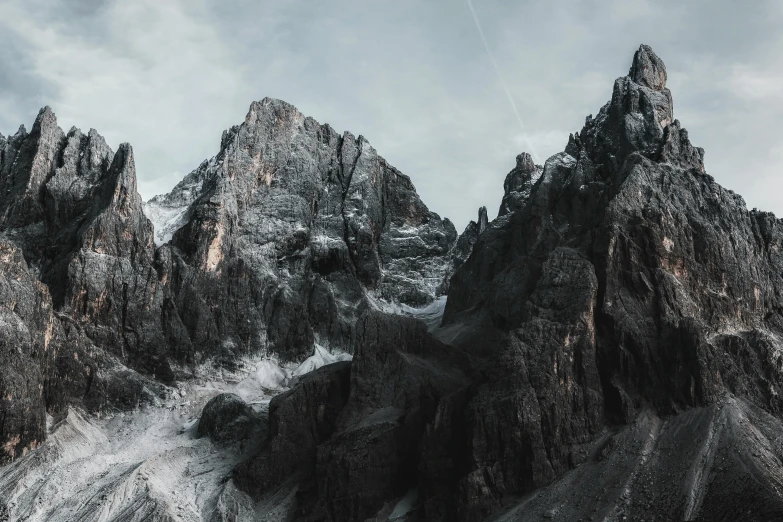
[{"x": 412, "y": 76}]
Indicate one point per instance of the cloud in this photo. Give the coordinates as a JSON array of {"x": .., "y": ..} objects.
[
  {"x": 411, "y": 76},
  {"x": 756, "y": 84}
]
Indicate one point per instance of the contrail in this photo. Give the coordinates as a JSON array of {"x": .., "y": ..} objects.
[{"x": 503, "y": 83}]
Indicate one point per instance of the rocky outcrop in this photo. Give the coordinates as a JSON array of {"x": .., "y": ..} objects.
[
  {"x": 463, "y": 247},
  {"x": 283, "y": 239},
  {"x": 518, "y": 183},
  {"x": 399, "y": 375},
  {"x": 623, "y": 304},
  {"x": 226, "y": 418},
  {"x": 703, "y": 464},
  {"x": 82, "y": 294},
  {"x": 610, "y": 342},
  {"x": 26, "y": 354},
  {"x": 299, "y": 421},
  {"x": 71, "y": 204},
  {"x": 289, "y": 233},
  {"x": 628, "y": 280},
  {"x": 111, "y": 286},
  {"x": 27, "y": 161}
]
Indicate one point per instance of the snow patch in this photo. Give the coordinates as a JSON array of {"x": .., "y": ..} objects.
[
  {"x": 148, "y": 464},
  {"x": 165, "y": 220},
  {"x": 271, "y": 376},
  {"x": 405, "y": 505},
  {"x": 321, "y": 357},
  {"x": 430, "y": 314}
]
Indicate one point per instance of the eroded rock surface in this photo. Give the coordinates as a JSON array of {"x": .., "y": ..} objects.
[
  {"x": 26, "y": 354},
  {"x": 628, "y": 280},
  {"x": 609, "y": 340},
  {"x": 226, "y": 418},
  {"x": 610, "y": 346},
  {"x": 287, "y": 230},
  {"x": 283, "y": 239}
]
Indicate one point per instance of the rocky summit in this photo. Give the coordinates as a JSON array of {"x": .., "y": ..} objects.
[{"x": 291, "y": 334}]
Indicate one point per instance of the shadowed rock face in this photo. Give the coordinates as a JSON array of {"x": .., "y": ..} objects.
[
  {"x": 26, "y": 354},
  {"x": 647, "y": 69},
  {"x": 610, "y": 346},
  {"x": 81, "y": 288},
  {"x": 518, "y": 184},
  {"x": 227, "y": 419},
  {"x": 284, "y": 238},
  {"x": 277, "y": 240},
  {"x": 627, "y": 280},
  {"x": 300, "y": 420}
]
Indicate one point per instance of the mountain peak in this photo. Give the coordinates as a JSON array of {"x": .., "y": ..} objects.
[
  {"x": 647, "y": 69},
  {"x": 525, "y": 163},
  {"x": 273, "y": 106}
]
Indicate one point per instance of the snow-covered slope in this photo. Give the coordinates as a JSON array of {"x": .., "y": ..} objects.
[
  {"x": 168, "y": 212},
  {"x": 148, "y": 464}
]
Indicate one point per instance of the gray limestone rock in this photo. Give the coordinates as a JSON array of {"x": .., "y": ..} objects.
[
  {"x": 518, "y": 183},
  {"x": 647, "y": 69},
  {"x": 226, "y": 419},
  {"x": 290, "y": 232},
  {"x": 26, "y": 354},
  {"x": 628, "y": 280},
  {"x": 610, "y": 345},
  {"x": 300, "y": 420}
]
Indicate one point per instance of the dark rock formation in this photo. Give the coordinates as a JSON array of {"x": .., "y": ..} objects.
[
  {"x": 82, "y": 295},
  {"x": 463, "y": 247},
  {"x": 628, "y": 280},
  {"x": 610, "y": 347},
  {"x": 710, "y": 463},
  {"x": 399, "y": 375},
  {"x": 647, "y": 69},
  {"x": 283, "y": 239},
  {"x": 280, "y": 238},
  {"x": 518, "y": 183},
  {"x": 226, "y": 418},
  {"x": 299, "y": 421},
  {"x": 621, "y": 319},
  {"x": 26, "y": 354},
  {"x": 71, "y": 204}
]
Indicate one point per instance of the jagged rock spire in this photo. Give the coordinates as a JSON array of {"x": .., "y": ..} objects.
[
  {"x": 516, "y": 187},
  {"x": 647, "y": 69},
  {"x": 483, "y": 220},
  {"x": 636, "y": 121}
]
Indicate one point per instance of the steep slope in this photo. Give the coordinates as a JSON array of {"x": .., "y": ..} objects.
[
  {"x": 610, "y": 348},
  {"x": 26, "y": 354},
  {"x": 77, "y": 261},
  {"x": 628, "y": 280},
  {"x": 289, "y": 233},
  {"x": 610, "y": 345},
  {"x": 281, "y": 241}
]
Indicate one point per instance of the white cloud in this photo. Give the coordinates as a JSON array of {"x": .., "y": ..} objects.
[
  {"x": 757, "y": 84},
  {"x": 413, "y": 77}
]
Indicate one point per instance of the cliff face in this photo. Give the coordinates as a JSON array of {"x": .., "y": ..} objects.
[
  {"x": 82, "y": 287},
  {"x": 609, "y": 350},
  {"x": 627, "y": 282},
  {"x": 281, "y": 240},
  {"x": 610, "y": 342},
  {"x": 290, "y": 232}
]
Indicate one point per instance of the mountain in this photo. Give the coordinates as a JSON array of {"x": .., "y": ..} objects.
[
  {"x": 289, "y": 233},
  {"x": 609, "y": 351},
  {"x": 279, "y": 243},
  {"x": 606, "y": 349}
]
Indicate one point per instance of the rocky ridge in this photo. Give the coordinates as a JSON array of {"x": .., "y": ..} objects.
[
  {"x": 279, "y": 242},
  {"x": 609, "y": 348},
  {"x": 293, "y": 220}
]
